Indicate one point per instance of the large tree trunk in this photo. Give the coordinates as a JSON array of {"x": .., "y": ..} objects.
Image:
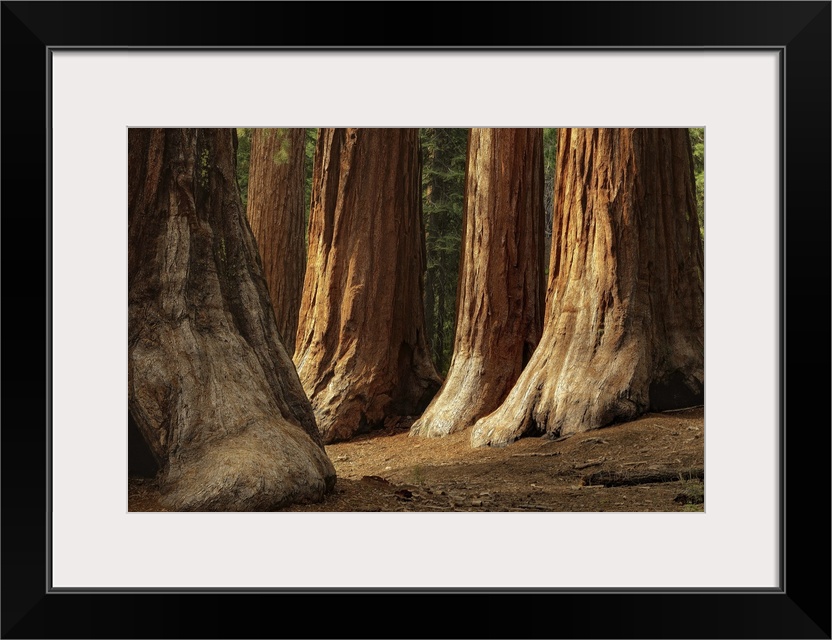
[
  {"x": 624, "y": 326},
  {"x": 361, "y": 350},
  {"x": 276, "y": 214},
  {"x": 211, "y": 387},
  {"x": 500, "y": 299}
]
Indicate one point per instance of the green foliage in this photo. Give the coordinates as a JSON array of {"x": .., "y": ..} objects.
[
  {"x": 697, "y": 143},
  {"x": 281, "y": 156},
  {"x": 692, "y": 494},
  {"x": 550, "y": 158},
  {"x": 309, "y": 161},
  {"x": 443, "y": 185},
  {"x": 203, "y": 167},
  {"x": 550, "y": 153},
  {"x": 243, "y": 162}
]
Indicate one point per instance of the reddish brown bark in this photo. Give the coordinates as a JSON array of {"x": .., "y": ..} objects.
[
  {"x": 276, "y": 214},
  {"x": 361, "y": 350},
  {"x": 500, "y": 299},
  {"x": 624, "y": 326},
  {"x": 211, "y": 387}
]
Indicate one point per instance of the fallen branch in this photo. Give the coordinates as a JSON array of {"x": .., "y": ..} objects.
[
  {"x": 536, "y": 455},
  {"x": 630, "y": 478},
  {"x": 696, "y": 406},
  {"x": 589, "y": 463}
]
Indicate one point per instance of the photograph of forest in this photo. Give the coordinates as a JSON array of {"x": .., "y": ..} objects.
[{"x": 416, "y": 319}]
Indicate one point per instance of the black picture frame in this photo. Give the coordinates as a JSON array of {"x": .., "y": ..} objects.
[{"x": 800, "y": 31}]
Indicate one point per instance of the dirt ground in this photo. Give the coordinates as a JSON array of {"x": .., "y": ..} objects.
[{"x": 655, "y": 463}]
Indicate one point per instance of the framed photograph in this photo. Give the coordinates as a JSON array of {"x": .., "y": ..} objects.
[{"x": 754, "y": 75}]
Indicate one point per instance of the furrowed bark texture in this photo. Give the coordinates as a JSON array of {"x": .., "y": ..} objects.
[
  {"x": 500, "y": 298},
  {"x": 624, "y": 325},
  {"x": 276, "y": 214},
  {"x": 361, "y": 352},
  {"x": 211, "y": 387}
]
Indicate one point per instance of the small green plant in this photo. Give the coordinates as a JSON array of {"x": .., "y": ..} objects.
[
  {"x": 417, "y": 475},
  {"x": 692, "y": 495},
  {"x": 203, "y": 167}
]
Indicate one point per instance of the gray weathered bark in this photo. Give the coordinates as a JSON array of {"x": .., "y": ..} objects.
[{"x": 211, "y": 387}]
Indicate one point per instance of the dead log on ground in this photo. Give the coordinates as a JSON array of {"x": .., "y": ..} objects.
[{"x": 630, "y": 478}]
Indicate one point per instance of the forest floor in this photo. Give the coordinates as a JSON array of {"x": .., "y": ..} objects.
[{"x": 654, "y": 463}]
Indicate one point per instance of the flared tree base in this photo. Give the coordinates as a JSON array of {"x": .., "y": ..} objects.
[{"x": 263, "y": 468}]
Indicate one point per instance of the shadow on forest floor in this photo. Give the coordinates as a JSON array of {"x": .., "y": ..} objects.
[{"x": 654, "y": 463}]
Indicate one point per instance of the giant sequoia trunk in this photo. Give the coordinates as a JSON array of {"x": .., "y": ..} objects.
[
  {"x": 624, "y": 326},
  {"x": 361, "y": 350},
  {"x": 500, "y": 300},
  {"x": 275, "y": 212},
  {"x": 211, "y": 387}
]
